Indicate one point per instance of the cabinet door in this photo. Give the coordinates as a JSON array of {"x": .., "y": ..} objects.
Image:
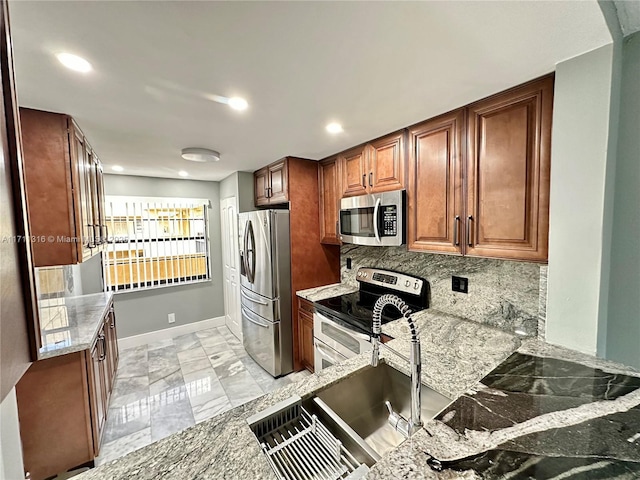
[
  {"x": 306, "y": 339},
  {"x": 112, "y": 347},
  {"x": 509, "y": 146},
  {"x": 386, "y": 163},
  {"x": 278, "y": 185},
  {"x": 98, "y": 389},
  {"x": 434, "y": 191},
  {"x": 329, "y": 188},
  {"x": 93, "y": 195},
  {"x": 83, "y": 169},
  {"x": 261, "y": 179},
  {"x": 100, "y": 221},
  {"x": 355, "y": 171}
]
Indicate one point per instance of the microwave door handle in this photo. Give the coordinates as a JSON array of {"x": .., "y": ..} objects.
[{"x": 375, "y": 220}]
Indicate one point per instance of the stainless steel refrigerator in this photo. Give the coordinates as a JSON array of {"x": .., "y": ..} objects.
[{"x": 265, "y": 267}]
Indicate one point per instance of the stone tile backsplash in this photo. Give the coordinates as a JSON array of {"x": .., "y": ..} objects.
[{"x": 505, "y": 294}]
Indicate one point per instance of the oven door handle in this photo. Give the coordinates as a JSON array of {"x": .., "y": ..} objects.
[
  {"x": 346, "y": 330},
  {"x": 375, "y": 220},
  {"x": 326, "y": 354}
]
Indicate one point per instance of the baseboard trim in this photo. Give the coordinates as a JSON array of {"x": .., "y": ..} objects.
[{"x": 167, "y": 333}]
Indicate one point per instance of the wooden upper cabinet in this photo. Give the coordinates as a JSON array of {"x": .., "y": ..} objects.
[
  {"x": 271, "y": 184},
  {"x": 329, "y": 188},
  {"x": 434, "y": 191},
  {"x": 508, "y": 165},
  {"x": 278, "y": 185},
  {"x": 64, "y": 189},
  {"x": 386, "y": 163},
  {"x": 375, "y": 167},
  {"x": 355, "y": 170},
  {"x": 260, "y": 179}
]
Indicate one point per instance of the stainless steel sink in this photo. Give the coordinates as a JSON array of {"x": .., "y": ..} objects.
[{"x": 360, "y": 402}]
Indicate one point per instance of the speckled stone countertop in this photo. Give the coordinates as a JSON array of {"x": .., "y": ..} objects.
[
  {"x": 326, "y": 291},
  {"x": 456, "y": 355},
  {"x": 71, "y": 324}
]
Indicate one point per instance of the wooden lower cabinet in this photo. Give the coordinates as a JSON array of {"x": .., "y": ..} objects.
[
  {"x": 63, "y": 404},
  {"x": 305, "y": 330}
]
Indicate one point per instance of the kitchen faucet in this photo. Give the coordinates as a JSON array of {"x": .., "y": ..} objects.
[{"x": 401, "y": 424}]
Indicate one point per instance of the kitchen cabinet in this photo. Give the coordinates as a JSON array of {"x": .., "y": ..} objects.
[
  {"x": 479, "y": 177},
  {"x": 329, "y": 187},
  {"x": 64, "y": 187},
  {"x": 305, "y": 320},
  {"x": 18, "y": 309},
  {"x": 508, "y": 169},
  {"x": 271, "y": 184},
  {"x": 63, "y": 404},
  {"x": 375, "y": 167},
  {"x": 434, "y": 190}
]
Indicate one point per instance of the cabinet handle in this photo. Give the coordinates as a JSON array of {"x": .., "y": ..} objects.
[
  {"x": 469, "y": 233},
  {"x": 98, "y": 237},
  {"x": 364, "y": 180},
  {"x": 337, "y": 228},
  {"x": 371, "y": 179},
  {"x": 91, "y": 241},
  {"x": 456, "y": 233},
  {"x": 103, "y": 353},
  {"x": 268, "y": 192}
]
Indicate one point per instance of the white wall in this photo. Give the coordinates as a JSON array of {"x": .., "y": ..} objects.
[
  {"x": 580, "y": 142},
  {"x": 11, "y": 465}
]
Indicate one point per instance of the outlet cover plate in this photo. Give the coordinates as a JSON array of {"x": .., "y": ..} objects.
[
  {"x": 172, "y": 318},
  {"x": 460, "y": 284}
]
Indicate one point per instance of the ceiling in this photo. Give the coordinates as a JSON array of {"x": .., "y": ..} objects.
[{"x": 372, "y": 66}]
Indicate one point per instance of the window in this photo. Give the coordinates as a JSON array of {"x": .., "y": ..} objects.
[{"x": 156, "y": 242}]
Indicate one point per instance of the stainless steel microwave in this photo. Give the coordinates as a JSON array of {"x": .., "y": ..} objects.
[{"x": 377, "y": 219}]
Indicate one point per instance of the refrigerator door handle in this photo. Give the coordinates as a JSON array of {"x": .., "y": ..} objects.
[
  {"x": 251, "y": 299},
  {"x": 250, "y": 238},
  {"x": 255, "y": 321}
]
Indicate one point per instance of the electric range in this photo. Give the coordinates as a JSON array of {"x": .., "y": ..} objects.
[{"x": 355, "y": 310}]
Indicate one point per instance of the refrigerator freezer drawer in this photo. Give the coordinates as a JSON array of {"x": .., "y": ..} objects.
[
  {"x": 267, "y": 308},
  {"x": 263, "y": 342}
]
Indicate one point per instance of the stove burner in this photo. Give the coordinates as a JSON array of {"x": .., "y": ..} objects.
[{"x": 356, "y": 309}]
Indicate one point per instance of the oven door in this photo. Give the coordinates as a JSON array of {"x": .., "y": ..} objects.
[
  {"x": 324, "y": 356},
  {"x": 375, "y": 220},
  {"x": 346, "y": 342}
]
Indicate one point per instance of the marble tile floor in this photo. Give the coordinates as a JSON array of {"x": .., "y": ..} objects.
[{"x": 165, "y": 387}]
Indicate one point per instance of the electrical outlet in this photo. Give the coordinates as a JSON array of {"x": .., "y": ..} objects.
[
  {"x": 460, "y": 284},
  {"x": 172, "y": 318}
]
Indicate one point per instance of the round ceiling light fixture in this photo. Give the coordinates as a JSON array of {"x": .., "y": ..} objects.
[
  {"x": 334, "y": 127},
  {"x": 201, "y": 155},
  {"x": 182, "y": 173},
  {"x": 74, "y": 62},
  {"x": 238, "y": 103},
  {"x": 117, "y": 168}
]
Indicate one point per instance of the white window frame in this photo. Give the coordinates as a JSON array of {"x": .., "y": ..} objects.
[{"x": 153, "y": 259}]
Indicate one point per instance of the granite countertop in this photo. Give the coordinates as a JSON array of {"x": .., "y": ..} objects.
[
  {"x": 70, "y": 324},
  {"x": 326, "y": 291},
  {"x": 511, "y": 395}
]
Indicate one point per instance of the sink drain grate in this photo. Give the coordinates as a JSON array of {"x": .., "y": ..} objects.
[{"x": 300, "y": 447}]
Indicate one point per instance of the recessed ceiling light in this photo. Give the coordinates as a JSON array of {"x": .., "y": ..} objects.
[
  {"x": 200, "y": 155},
  {"x": 117, "y": 168},
  {"x": 238, "y": 103},
  {"x": 74, "y": 62},
  {"x": 182, "y": 173},
  {"x": 334, "y": 127}
]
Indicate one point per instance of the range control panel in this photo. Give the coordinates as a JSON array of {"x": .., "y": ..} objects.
[
  {"x": 389, "y": 220},
  {"x": 391, "y": 280}
]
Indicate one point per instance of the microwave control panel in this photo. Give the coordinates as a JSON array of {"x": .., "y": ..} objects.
[{"x": 389, "y": 221}]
